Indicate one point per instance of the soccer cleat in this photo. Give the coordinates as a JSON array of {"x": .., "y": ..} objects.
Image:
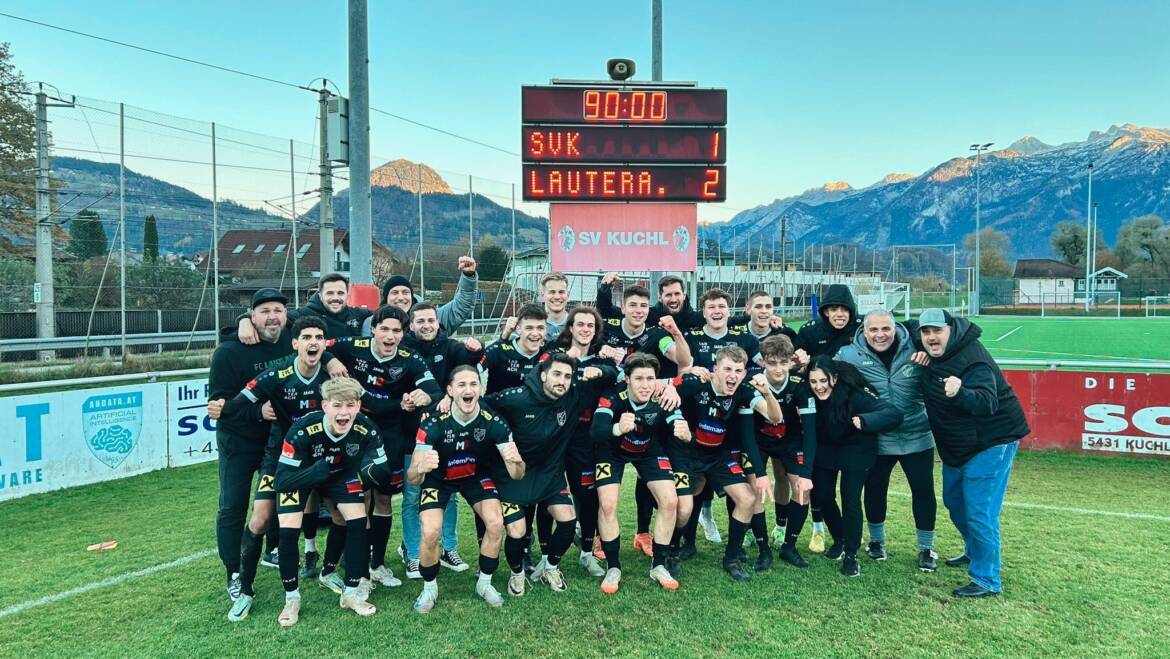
[
  {"x": 597, "y": 550},
  {"x": 816, "y": 543},
  {"x": 291, "y": 612},
  {"x": 354, "y": 599},
  {"x": 270, "y": 558},
  {"x": 385, "y": 576},
  {"x": 309, "y": 569},
  {"x": 958, "y": 561},
  {"x": 366, "y": 586},
  {"x": 687, "y": 551},
  {"x": 553, "y": 577},
  {"x": 789, "y": 555},
  {"x": 973, "y": 590},
  {"x": 835, "y": 552},
  {"x": 644, "y": 542},
  {"x": 234, "y": 586},
  {"x": 451, "y": 560},
  {"x": 489, "y": 594},
  {"x": 591, "y": 565},
  {"x": 538, "y": 570},
  {"x": 850, "y": 567},
  {"x": 660, "y": 574},
  {"x": 516, "y": 585},
  {"x": 674, "y": 566},
  {"x": 426, "y": 600},
  {"x": 927, "y": 560},
  {"x": 735, "y": 570},
  {"x": 412, "y": 569},
  {"x": 764, "y": 562},
  {"x": 240, "y": 608},
  {"x": 332, "y": 581},
  {"x": 613, "y": 579},
  {"x": 741, "y": 555},
  {"x": 778, "y": 533},
  {"x": 710, "y": 529},
  {"x": 877, "y": 551}
]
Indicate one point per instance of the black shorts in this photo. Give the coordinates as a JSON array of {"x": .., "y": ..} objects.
[
  {"x": 337, "y": 489},
  {"x": 791, "y": 457},
  {"x": 653, "y": 465},
  {"x": 436, "y": 492},
  {"x": 680, "y": 464},
  {"x": 579, "y": 471},
  {"x": 266, "y": 490},
  {"x": 544, "y": 485},
  {"x": 394, "y": 485},
  {"x": 721, "y": 469}
]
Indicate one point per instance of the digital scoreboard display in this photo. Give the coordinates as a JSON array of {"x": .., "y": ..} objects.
[{"x": 591, "y": 142}]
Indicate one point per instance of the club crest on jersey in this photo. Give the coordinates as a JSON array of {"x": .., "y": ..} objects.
[
  {"x": 479, "y": 434},
  {"x": 562, "y": 417},
  {"x": 352, "y": 449}
]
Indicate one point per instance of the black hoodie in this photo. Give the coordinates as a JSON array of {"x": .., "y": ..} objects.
[
  {"x": 442, "y": 354},
  {"x": 984, "y": 413},
  {"x": 348, "y": 322},
  {"x": 686, "y": 317},
  {"x": 818, "y": 336}
]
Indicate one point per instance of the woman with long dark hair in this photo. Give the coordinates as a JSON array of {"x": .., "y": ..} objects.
[{"x": 849, "y": 418}]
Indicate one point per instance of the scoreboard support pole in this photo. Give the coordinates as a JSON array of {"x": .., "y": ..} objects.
[{"x": 656, "y": 76}]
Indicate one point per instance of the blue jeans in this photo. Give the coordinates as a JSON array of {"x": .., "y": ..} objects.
[
  {"x": 412, "y": 529},
  {"x": 973, "y": 493}
]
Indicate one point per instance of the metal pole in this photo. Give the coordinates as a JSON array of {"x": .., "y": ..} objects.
[
  {"x": 360, "y": 215},
  {"x": 122, "y": 218},
  {"x": 978, "y": 211},
  {"x": 325, "y": 167},
  {"x": 214, "y": 237},
  {"x": 292, "y": 188},
  {"x": 422, "y": 260},
  {"x": 513, "y": 228},
  {"x": 1093, "y": 253},
  {"x": 656, "y": 74},
  {"x": 43, "y": 289},
  {"x": 1088, "y": 231}
]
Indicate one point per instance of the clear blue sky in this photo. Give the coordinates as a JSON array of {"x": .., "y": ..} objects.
[{"x": 817, "y": 91}]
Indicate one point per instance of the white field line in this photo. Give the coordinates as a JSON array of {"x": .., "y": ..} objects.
[
  {"x": 1010, "y": 332},
  {"x": 1072, "y": 511},
  {"x": 1081, "y": 354}
]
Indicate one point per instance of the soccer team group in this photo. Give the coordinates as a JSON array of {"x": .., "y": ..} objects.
[{"x": 339, "y": 408}]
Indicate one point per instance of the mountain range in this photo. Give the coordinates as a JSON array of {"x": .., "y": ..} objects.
[{"x": 1025, "y": 190}]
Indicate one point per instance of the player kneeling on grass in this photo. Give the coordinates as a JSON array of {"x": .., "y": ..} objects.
[
  {"x": 456, "y": 453},
  {"x": 326, "y": 451},
  {"x": 628, "y": 428}
]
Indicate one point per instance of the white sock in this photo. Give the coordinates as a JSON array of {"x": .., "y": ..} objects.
[
  {"x": 819, "y": 526},
  {"x": 586, "y": 554},
  {"x": 485, "y": 579},
  {"x": 544, "y": 558},
  {"x": 293, "y": 595},
  {"x": 310, "y": 544},
  {"x": 431, "y": 586}
]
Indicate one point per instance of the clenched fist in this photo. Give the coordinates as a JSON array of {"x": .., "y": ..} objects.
[
  {"x": 467, "y": 265},
  {"x": 682, "y": 431},
  {"x": 215, "y": 408},
  {"x": 951, "y": 386},
  {"x": 425, "y": 461}
]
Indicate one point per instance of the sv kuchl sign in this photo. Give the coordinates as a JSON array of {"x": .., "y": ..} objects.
[{"x": 598, "y": 237}]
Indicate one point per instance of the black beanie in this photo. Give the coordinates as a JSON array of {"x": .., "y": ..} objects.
[{"x": 395, "y": 280}]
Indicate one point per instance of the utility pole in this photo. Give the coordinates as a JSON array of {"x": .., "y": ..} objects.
[
  {"x": 656, "y": 75},
  {"x": 1088, "y": 237},
  {"x": 214, "y": 235},
  {"x": 360, "y": 215},
  {"x": 292, "y": 189},
  {"x": 43, "y": 288},
  {"x": 122, "y": 221},
  {"x": 422, "y": 260},
  {"x": 325, "y": 167},
  {"x": 978, "y": 149}
]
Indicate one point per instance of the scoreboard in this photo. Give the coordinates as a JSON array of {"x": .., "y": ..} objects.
[{"x": 597, "y": 142}]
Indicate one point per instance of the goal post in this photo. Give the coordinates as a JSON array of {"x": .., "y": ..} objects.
[{"x": 1157, "y": 306}]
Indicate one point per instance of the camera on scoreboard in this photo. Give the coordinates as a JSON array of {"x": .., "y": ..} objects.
[{"x": 620, "y": 69}]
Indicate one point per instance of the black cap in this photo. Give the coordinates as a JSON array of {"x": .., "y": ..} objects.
[{"x": 268, "y": 295}]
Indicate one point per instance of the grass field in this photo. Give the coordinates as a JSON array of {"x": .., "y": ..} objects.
[{"x": 1085, "y": 575}]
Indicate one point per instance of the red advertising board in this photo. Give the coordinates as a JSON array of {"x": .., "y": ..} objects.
[
  {"x": 601, "y": 237},
  {"x": 1119, "y": 413}
]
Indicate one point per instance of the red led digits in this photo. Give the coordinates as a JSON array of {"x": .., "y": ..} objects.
[
  {"x": 657, "y": 106},
  {"x": 715, "y": 145},
  {"x": 592, "y": 105},
  {"x": 617, "y": 183},
  {"x": 632, "y": 106},
  {"x": 711, "y": 185}
]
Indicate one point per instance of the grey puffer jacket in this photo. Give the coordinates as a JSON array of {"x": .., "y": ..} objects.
[{"x": 900, "y": 386}]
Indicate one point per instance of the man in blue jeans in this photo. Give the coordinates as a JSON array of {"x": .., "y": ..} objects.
[{"x": 977, "y": 423}]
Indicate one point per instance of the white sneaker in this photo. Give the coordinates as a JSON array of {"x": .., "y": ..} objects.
[
  {"x": 385, "y": 576},
  {"x": 332, "y": 581},
  {"x": 426, "y": 600},
  {"x": 240, "y": 608},
  {"x": 354, "y": 599},
  {"x": 710, "y": 530},
  {"x": 488, "y": 592},
  {"x": 516, "y": 585},
  {"x": 538, "y": 570},
  {"x": 591, "y": 565},
  {"x": 612, "y": 581},
  {"x": 553, "y": 577},
  {"x": 291, "y": 613},
  {"x": 366, "y": 586}
]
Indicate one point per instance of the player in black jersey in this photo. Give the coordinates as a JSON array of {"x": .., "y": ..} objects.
[
  {"x": 290, "y": 390},
  {"x": 791, "y": 448},
  {"x": 460, "y": 452},
  {"x": 398, "y": 385},
  {"x": 761, "y": 321},
  {"x": 714, "y": 409},
  {"x": 326, "y": 451},
  {"x": 629, "y": 428},
  {"x": 507, "y": 362},
  {"x": 543, "y": 414}
]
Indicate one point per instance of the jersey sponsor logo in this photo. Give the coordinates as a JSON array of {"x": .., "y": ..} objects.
[
  {"x": 284, "y": 372},
  {"x": 459, "y": 466},
  {"x": 587, "y": 478},
  {"x": 267, "y": 483},
  {"x": 602, "y": 470},
  {"x": 360, "y": 429},
  {"x": 710, "y": 432},
  {"x": 800, "y": 457},
  {"x": 315, "y": 429},
  {"x": 487, "y": 484},
  {"x": 682, "y": 480},
  {"x": 428, "y": 495},
  {"x": 664, "y": 463},
  {"x": 734, "y": 467},
  {"x": 290, "y": 498},
  {"x": 634, "y": 443},
  {"x": 509, "y": 508},
  {"x": 353, "y": 486},
  {"x": 319, "y": 450},
  {"x": 773, "y": 430},
  {"x": 287, "y": 450}
]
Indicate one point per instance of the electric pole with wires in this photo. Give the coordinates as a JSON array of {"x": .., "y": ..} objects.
[{"x": 43, "y": 288}]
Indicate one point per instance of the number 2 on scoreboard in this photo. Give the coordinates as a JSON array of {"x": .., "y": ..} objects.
[{"x": 711, "y": 185}]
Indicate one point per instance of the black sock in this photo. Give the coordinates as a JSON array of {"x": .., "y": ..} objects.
[
  {"x": 334, "y": 547},
  {"x": 309, "y": 526},
  {"x": 760, "y": 531},
  {"x": 480, "y": 531},
  {"x": 429, "y": 572},
  {"x": 676, "y": 537},
  {"x": 660, "y": 553},
  {"x": 249, "y": 558},
  {"x": 736, "y": 530},
  {"x": 272, "y": 536},
  {"x": 544, "y": 530},
  {"x": 645, "y": 500},
  {"x": 562, "y": 539},
  {"x": 817, "y": 517},
  {"x": 290, "y": 560},
  {"x": 612, "y": 549},
  {"x": 357, "y": 556},
  {"x": 797, "y": 514},
  {"x": 529, "y": 527},
  {"x": 691, "y": 528},
  {"x": 488, "y": 564},
  {"x": 782, "y": 514},
  {"x": 514, "y": 550},
  {"x": 379, "y": 538}
]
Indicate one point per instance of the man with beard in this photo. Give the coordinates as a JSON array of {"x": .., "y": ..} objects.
[
  {"x": 241, "y": 438},
  {"x": 328, "y": 303},
  {"x": 441, "y": 354},
  {"x": 543, "y": 415},
  {"x": 291, "y": 390},
  {"x": 397, "y": 291},
  {"x": 672, "y": 301},
  {"x": 977, "y": 423},
  {"x": 834, "y": 328}
]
